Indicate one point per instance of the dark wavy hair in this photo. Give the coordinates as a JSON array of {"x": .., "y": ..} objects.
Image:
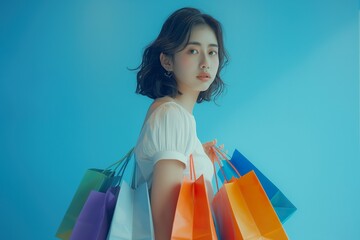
[{"x": 173, "y": 37}]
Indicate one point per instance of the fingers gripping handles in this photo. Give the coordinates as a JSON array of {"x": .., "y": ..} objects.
[{"x": 215, "y": 154}]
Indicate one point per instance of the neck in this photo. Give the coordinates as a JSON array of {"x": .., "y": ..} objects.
[{"x": 187, "y": 100}]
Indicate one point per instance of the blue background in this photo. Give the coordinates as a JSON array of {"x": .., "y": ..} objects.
[{"x": 67, "y": 102}]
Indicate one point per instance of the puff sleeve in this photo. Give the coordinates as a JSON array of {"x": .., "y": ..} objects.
[{"x": 169, "y": 133}]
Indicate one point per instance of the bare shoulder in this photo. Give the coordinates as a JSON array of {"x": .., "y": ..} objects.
[{"x": 156, "y": 103}]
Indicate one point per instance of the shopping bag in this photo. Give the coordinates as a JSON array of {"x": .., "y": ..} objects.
[
  {"x": 193, "y": 217},
  {"x": 95, "y": 217},
  {"x": 242, "y": 209},
  {"x": 132, "y": 217},
  {"x": 94, "y": 179},
  {"x": 282, "y": 205}
]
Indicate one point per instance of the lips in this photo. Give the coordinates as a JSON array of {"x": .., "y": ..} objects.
[{"x": 203, "y": 76}]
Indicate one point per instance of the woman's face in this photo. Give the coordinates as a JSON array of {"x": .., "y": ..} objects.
[{"x": 197, "y": 59}]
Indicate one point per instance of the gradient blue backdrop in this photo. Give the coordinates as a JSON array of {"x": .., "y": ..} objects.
[{"x": 67, "y": 102}]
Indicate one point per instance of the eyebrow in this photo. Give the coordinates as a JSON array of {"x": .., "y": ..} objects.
[{"x": 199, "y": 44}]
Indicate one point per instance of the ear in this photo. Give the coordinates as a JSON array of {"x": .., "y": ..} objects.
[{"x": 166, "y": 62}]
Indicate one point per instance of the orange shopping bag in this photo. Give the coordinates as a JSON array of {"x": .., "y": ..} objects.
[
  {"x": 193, "y": 219},
  {"x": 242, "y": 209}
]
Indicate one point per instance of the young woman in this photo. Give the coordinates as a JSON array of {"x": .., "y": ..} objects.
[{"x": 180, "y": 68}]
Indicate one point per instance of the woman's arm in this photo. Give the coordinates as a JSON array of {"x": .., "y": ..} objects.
[{"x": 166, "y": 184}]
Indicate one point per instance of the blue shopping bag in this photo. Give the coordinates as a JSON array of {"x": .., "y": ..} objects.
[
  {"x": 282, "y": 205},
  {"x": 132, "y": 217}
]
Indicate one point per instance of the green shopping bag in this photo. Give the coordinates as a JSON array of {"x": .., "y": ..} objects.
[{"x": 94, "y": 179}]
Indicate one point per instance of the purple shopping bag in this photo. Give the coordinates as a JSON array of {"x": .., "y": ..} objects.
[{"x": 95, "y": 218}]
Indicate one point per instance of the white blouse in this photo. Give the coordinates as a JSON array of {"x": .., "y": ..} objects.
[{"x": 170, "y": 133}]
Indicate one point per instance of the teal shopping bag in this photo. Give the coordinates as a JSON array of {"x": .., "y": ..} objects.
[
  {"x": 93, "y": 179},
  {"x": 132, "y": 217}
]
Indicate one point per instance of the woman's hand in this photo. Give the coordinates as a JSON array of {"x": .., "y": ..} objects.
[{"x": 207, "y": 146}]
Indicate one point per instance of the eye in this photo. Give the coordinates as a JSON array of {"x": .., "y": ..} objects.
[
  {"x": 213, "y": 53},
  {"x": 193, "y": 51}
]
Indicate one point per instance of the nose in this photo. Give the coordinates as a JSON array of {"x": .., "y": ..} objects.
[
  {"x": 205, "y": 67},
  {"x": 204, "y": 63}
]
